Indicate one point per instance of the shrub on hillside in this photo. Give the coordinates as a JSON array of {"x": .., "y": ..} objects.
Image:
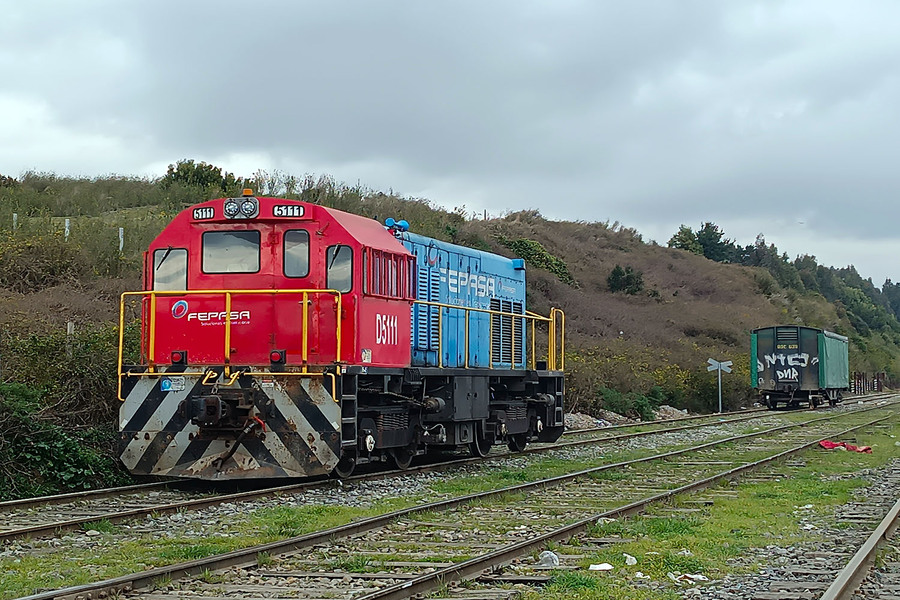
[
  {"x": 35, "y": 263},
  {"x": 625, "y": 280},
  {"x": 75, "y": 374},
  {"x": 38, "y": 457},
  {"x": 632, "y": 404},
  {"x": 534, "y": 253}
]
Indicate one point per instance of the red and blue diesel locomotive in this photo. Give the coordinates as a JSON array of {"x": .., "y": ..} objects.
[{"x": 286, "y": 339}]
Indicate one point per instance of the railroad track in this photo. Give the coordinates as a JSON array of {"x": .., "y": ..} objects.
[
  {"x": 863, "y": 578},
  {"x": 834, "y": 573},
  {"x": 420, "y": 549},
  {"x": 51, "y": 515}
]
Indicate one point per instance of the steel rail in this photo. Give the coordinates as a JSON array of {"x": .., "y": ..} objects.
[
  {"x": 50, "y": 500},
  {"x": 851, "y": 576},
  {"x": 474, "y": 567},
  {"x": 197, "y": 504},
  {"x": 247, "y": 557},
  {"x": 731, "y": 413},
  {"x": 676, "y": 420},
  {"x": 23, "y": 503},
  {"x": 161, "y": 509}
]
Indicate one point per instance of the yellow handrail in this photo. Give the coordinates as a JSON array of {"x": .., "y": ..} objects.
[
  {"x": 151, "y": 333},
  {"x": 555, "y": 325},
  {"x": 556, "y": 333}
]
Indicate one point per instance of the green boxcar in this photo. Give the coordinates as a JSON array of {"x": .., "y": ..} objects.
[{"x": 796, "y": 365}]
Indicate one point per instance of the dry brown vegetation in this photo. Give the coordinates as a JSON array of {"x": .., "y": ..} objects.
[{"x": 691, "y": 309}]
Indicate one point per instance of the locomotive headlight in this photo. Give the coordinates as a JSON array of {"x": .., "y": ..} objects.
[
  {"x": 248, "y": 208},
  {"x": 231, "y": 208}
]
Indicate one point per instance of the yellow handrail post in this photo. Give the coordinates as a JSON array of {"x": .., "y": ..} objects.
[
  {"x": 562, "y": 341},
  {"x": 512, "y": 341},
  {"x": 491, "y": 341},
  {"x": 533, "y": 344},
  {"x": 551, "y": 341},
  {"x": 440, "y": 337},
  {"x": 466, "y": 338},
  {"x": 121, "y": 346},
  {"x": 304, "y": 347},
  {"x": 151, "y": 345},
  {"x": 227, "y": 334},
  {"x": 337, "y": 352}
]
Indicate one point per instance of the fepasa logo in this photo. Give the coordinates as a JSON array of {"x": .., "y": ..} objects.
[
  {"x": 214, "y": 318},
  {"x": 179, "y": 309},
  {"x": 464, "y": 282}
]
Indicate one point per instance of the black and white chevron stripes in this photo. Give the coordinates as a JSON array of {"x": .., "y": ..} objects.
[{"x": 301, "y": 437}]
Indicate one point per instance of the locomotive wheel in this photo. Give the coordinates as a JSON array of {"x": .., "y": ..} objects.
[
  {"x": 345, "y": 466},
  {"x": 517, "y": 442},
  {"x": 479, "y": 447},
  {"x": 402, "y": 457}
]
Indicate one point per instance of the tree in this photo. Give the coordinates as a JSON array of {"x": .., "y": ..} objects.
[
  {"x": 686, "y": 239},
  {"x": 625, "y": 280},
  {"x": 200, "y": 174},
  {"x": 714, "y": 243}
]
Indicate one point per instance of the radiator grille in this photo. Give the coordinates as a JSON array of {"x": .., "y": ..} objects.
[{"x": 506, "y": 332}]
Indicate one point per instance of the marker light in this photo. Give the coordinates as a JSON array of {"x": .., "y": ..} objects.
[
  {"x": 276, "y": 356},
  {"x": 179, "y": 357},
  {"x": 247, "y": 192},
  {"x": 231, "y": 208}
]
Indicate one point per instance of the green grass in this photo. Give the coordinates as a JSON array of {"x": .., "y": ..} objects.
[
  {"x": 54, "y": 569},
  {"x": 714, "y": 535},
  {"x": 352, "y": 564},
  {"x": 103, "y": 526},
  {"x": 761, "y": 514}
]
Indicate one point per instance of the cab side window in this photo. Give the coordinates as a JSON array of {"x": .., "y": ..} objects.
[
  {"x": 296, "y": 253},
  {"x": 170, "y": 269},
  {"x": 339, "y": 268}
]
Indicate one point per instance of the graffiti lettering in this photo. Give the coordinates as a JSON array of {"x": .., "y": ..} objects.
[
  {"x": 791, "y": 360},
  {"x": 788, "y": 375}
]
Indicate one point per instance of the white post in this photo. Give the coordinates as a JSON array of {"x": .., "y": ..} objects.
[
  {"x": 720, "y": 388},
  {"x": 121, "y": 239},
  {"x": 15, "y": 221},
  {"x": 67, "y": 230},
  {"x": 70, "y": 331}
]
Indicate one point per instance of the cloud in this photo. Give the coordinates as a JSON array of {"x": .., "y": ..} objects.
[{"x": 751, "y": 114}]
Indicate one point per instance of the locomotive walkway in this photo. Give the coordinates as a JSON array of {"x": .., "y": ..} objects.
[{"x": 424, "y": 548}]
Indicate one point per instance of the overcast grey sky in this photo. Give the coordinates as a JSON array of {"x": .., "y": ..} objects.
[{"x": 762, "y": 116}]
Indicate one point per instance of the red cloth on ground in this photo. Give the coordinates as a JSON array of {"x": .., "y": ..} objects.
[{"x": 832, "y": 445}]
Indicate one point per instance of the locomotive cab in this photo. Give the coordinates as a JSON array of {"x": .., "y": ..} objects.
[{"x": 286, "y": 339}]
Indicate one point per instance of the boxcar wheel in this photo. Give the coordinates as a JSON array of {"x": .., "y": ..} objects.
[
  {"x": 402, "y": 457},
  {"x": 345, "y": 466},
  {"x": 479, "y": 447},
  {"x": 517, "y": 442}
]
